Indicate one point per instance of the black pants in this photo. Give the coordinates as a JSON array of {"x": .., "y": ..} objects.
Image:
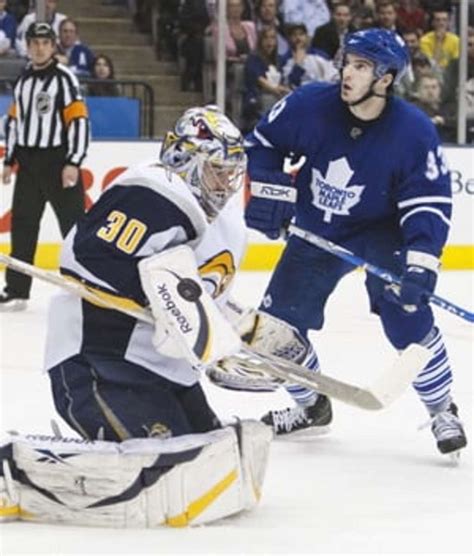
[
  {"x": 39, "y": 181},
  {"x": 123, "y": 400}
]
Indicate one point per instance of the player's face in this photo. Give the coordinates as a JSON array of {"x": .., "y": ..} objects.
[
  {"x": 219, "y": 183},
  {"x": 357, "y": 77},
  {"x": 41, "y": 51}
]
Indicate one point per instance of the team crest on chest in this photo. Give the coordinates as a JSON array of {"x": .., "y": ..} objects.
[
  {"x": 43, "y": 103},
  {"x": 332, "y": 193}
]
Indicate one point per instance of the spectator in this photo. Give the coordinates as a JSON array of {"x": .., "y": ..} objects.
[
  {"x": 7, "y": 30},
  {"x": 104, "y": 74},
  {"x": 406, "y": 86},
  {"x": 429, "y": 100},
  {"x": 241, "y": 36},
  {"x": 450, "y": 92},
  {"x": 267, "y": 16},
  {"x": 329, "y": 37},
  {"x": 411, "y": 16},
  {"x": 53, "y": 17},
  {"x": 47, "y": 134},
  {"x": 18, "y": 9},
  {"x": 304, "y": 63},
  {"x": 364, "y": 18},
  {"x": 314, "y": 13},
  {"x": 440, "y": 45},
  {"x": 387, "y": 16},
  {"x": 263, "y": 78},
  {"x": 193, "y": 19},
  {"x": 71, "y": 51}
]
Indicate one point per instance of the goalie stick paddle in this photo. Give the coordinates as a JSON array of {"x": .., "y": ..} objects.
[
  {"x": 388, "y": 386},
  {"x": 382, "y": 273}
]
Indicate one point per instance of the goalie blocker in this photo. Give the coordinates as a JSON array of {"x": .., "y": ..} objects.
[
  {"x": 188, "y": 480},
  {"x": 189, "y": 324}
]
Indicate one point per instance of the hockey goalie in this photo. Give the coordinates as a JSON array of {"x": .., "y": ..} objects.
[{"x": 165, "y": 236}]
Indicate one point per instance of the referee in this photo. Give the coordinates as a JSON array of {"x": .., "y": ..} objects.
[{"x": 47, "y": 134}]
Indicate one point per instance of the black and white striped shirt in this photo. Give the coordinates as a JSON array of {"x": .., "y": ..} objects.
[{"x": 48, "y": 111}]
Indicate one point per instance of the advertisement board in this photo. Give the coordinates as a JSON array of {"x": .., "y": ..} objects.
[{"x": 107, "y": 159}]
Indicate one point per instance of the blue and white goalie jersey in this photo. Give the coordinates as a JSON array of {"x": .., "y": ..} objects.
[
  {"x": 145, "y": 211},
  {"x": 357, "y": 175}
]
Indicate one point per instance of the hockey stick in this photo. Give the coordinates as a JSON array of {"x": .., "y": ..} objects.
[
  {"x": 388, "y": 387},
  {"x": 382, "y": 273}
]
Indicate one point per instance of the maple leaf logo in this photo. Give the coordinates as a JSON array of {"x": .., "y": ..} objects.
[{"x": 332, "y": 193}]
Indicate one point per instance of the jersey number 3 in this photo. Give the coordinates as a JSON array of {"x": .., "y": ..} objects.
[
  {"x": 125, "y": 233},
  {"x": 436, "y": 164}
]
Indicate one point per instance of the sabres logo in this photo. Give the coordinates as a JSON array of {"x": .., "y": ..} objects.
[{"x": 218, "y": 271}]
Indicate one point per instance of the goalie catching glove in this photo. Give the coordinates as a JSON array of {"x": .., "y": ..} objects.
[
  {"x": 188, "y": 324},
  {"x": 266, "y": 334}
]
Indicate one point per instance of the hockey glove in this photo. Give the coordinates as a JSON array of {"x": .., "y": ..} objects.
[
  {"x": 418, "y": 280},
  {"x": 272, "y": 206}
]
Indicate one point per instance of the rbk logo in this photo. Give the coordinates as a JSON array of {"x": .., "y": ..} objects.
[
  {"x": 275, "y": 191},
  {"x": 332, "y": 193},
  {"x": 50, "y": 457}
]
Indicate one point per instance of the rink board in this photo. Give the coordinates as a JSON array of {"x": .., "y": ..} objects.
[{"x": 107, "y": 159}]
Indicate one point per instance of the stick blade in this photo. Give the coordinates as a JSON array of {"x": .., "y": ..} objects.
[{"x": 389, "y": 386}]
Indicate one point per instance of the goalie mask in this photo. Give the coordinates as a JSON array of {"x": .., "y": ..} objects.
[{"x": 206, "y": 150}]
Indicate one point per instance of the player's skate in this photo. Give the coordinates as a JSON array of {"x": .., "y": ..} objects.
[
  {"x": 448, "y": 431},
  {"x": 308, "y": 421}
]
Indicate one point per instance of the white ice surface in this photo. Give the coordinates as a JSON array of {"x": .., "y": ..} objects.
[{"x": 374, "y": 485}]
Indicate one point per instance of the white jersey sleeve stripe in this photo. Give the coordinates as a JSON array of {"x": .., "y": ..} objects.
[
  {"x": 425, "y": 209},
  {"x": 427, "y": 199},
  {"x": 156, "y": 243},
  {"x": 265, "y": 142}
]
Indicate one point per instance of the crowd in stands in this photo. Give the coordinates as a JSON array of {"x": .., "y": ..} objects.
[
  {"x": 283, "y": 44},
  {"x": 15, "y": 18},
  {"x": 272, "y": 47}
]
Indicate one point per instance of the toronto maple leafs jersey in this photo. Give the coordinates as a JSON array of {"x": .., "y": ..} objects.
[
  {"x": 145, "y": 211},
  {"x": 357, "y": 175}
]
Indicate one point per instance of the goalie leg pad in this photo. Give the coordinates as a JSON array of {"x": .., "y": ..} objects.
[
  {"x": 187, "y": 480},
  {"x": 197, "y": 329},
  {"x": 9, "y": 508}
]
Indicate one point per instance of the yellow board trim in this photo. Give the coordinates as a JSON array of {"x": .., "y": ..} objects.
[
  {"x": 264, "y": 256},
  {"x": 200, "y": 504}
]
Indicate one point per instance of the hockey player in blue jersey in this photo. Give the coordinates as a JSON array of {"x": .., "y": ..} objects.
[{"x": 374, "y": 179}]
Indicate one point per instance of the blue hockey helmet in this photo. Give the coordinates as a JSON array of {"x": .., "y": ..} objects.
[{"x": 386, "y": 49}]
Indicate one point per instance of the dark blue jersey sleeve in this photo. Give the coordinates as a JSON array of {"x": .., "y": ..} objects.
[
  {"x": 424, "y": 197},
  {"x": 283, "y": 132},
  {"x": 271, "y": 141}
]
